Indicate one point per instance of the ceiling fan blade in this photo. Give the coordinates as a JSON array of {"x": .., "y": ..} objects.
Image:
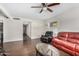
[
  {"x": 53, "y": 4},
  {"x": 36, "y": 7},
  {"x": 49, "y": 10},
  {"x": 41, "y": 11}
]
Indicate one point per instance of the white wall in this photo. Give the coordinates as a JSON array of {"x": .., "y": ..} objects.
[
  {"x": 69, "y": 20},
  {"x": 37, "y": 29},
  {"x": 13, "y": 29}
]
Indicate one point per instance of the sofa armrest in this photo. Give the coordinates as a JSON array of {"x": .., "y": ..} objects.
[{"x": 53, "y": 39}]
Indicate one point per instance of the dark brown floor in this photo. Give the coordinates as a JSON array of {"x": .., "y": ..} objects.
[{"x": 24, "y": 48}]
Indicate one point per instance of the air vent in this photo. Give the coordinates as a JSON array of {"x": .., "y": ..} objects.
[{"x": 16, "y": 18}]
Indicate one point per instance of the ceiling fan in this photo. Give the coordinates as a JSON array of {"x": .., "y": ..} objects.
[{"x": 45, "y": 6}]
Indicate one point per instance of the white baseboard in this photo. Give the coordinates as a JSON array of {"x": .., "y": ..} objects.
[
  {"x": 12, "y": 40},
  {"x": 34, "y": 37}
]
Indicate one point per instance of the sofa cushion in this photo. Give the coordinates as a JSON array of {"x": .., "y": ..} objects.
[
  {"x": 62, "y": 34},
  {"x": 62, "y": 38},
  {"x": 77, "y": 48},
  {"x": 73, "y": 35},
  {"x": 64, "y": 49},
  {"x": 76, "y": 41},
  {"x": 66, "y": 44},
  {"x": 77, "y": 53}
]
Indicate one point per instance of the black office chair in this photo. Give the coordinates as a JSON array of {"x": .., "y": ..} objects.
[{"x": 47, "y": 37}]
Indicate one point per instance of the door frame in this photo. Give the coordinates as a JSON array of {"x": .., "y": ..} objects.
[{"x": 28, "y": 28}]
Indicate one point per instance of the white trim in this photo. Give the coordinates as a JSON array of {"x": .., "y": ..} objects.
[
  {"x": 34, "y": 37},
  {"x": 12, "y": 40}
]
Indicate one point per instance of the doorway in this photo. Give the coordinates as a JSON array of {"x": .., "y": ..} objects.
[
  {"x": 25, "y": 31},
  {"x": 1, "y": 40}
]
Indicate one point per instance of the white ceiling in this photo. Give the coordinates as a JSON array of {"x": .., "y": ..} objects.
[{"x": 24, "y": 10}]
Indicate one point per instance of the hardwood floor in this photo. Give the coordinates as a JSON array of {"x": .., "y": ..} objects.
[
  {"x": 24, "y": 48},
  {"x": 19, "y": 48}
]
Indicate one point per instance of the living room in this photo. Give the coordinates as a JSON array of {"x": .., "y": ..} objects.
[{"x": 63, "y": 21}]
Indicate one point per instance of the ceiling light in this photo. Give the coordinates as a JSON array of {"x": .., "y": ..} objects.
[{"x": 44, "y": 8}]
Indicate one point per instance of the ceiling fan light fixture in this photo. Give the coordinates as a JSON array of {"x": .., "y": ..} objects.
[{"x": 45, "y": 8}]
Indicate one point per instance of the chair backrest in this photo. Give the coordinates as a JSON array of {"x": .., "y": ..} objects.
[{"x": 48, "y": 33}]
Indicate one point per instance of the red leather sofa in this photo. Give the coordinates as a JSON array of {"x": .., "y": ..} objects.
[{"x": 68, "y": 42}]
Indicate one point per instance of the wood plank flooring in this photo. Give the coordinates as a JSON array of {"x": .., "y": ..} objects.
[{"x": 24, "y": 48}]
